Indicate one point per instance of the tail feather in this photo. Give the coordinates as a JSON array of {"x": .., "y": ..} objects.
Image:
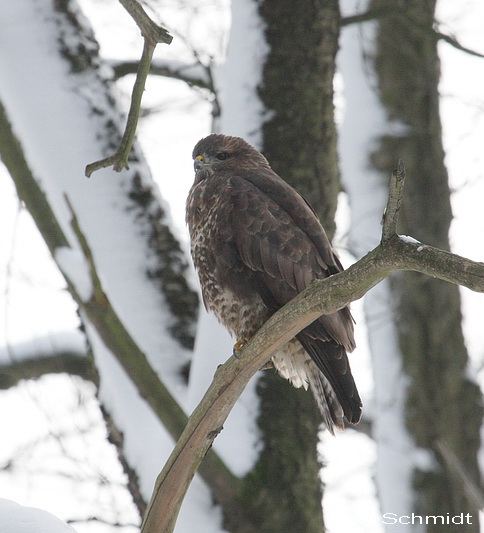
[
  {"x": 326, "y": 400},
  {"x": 336, "y": 401},
  {"x": 336, "y": 379}
]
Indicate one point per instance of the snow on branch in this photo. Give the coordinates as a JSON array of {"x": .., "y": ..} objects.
[
  {"x": 99, "y": 311},
  {"x": 55, "y": 354},
  {"x": 320, "y": 297},
  {"x": 152, "y": 35}
]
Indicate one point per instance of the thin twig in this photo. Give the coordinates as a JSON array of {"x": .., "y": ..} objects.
[
  {"x": 152, "y": 34},
  {"x": 455, "y": 466},
  {"x": 192, "y": 75},
  {"x": 371, "y": 14},
  {"x": 149, "y": 29},
  {"x": 395, "y": 196},
  {"x": 119, "y": 159},
  {"x": 456, "y": 44},
  {"x": 381, "y": 12}
]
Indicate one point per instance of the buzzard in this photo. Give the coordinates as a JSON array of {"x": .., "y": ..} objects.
[{"x": 256, "y": 243}]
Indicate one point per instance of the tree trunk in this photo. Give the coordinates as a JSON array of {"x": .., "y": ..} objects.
[
  {"x": 443, "y": 406},
  {"x": 300, "y": 137},
  {"x": 299, "y": 141}
]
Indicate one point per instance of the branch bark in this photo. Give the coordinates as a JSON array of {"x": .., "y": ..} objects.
[
  {"x": 35, "y": 367},
  {"x": 395, "y": 196},
  {"x": 320, "y": 297}
]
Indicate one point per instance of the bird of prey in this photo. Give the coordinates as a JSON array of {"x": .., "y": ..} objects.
[{"x": 256, "y": 243}]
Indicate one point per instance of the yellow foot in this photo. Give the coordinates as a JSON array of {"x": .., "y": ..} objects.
[{"x": 239, "y": 345}]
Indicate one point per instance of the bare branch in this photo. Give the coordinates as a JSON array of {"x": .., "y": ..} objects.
[
  {"x": 320, "y": 297},
  {"x": 149, "y": 29},
  {"x": 371, "y": 14},
  {"x": 395, "y": 196},
  {"x": 455, "y": 43},
  {"x": 33, "y": 368},
  {"x": 119, "y": 159},
  {"x": 152, "y": 34},
  {"x": 193, "y": 75},
  {"x": 455, "y": 466},
  {"x": 381, "y": 12}
]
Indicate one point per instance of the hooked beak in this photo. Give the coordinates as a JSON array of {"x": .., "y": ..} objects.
[{"x": 199, "y": 163}]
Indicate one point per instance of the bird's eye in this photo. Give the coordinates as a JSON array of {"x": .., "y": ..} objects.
[{"x": 222, "y": 156}]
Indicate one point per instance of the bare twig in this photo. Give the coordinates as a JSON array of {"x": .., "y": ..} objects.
[
  {"x": 119, "y": 159},
  {"x": 149, "y": 29},
  {"x": 457, "y": 469},
  {"x": 371, "y": 14},
  {"x": 101, "y": 520},
  {"x": 152, "y": 34},
  {"x": 395, "y": 196},
  {"x": 193, "y": 75},
  {"x": 381, "y": 12},
  {"x": 35, "y": 367},
  {"x": 321, "y": 297},
  {"x": 456, "y": 44}
]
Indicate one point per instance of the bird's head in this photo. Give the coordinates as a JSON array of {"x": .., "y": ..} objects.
[{"x": 221, "y": 152}]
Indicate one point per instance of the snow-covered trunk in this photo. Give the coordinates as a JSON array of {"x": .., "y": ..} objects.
[
  {"x": 363, "y": 123},
  {"x": 443, "y": 406},
  {"x": 110, "y": 235},
  {"x": 414, "y": 323}
]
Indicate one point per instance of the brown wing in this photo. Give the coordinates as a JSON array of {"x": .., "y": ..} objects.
[{"x": 278, "y": 236}]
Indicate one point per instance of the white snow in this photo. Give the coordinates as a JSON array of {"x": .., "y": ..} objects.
[
  {"x": 54, "y": 343},
  {"x": 15, "y": 518},
  {"x": 68, "y": 132},
  {"x": 75, "y": 268},
  {"x": 146, "y": 442},
  {"x": 407, "y": 239},
  {"x": 237, "y": 443},
  {"x": 240, "y": 75}
]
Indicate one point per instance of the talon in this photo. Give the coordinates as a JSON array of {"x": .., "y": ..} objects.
[{"x": 239, "y": 345}]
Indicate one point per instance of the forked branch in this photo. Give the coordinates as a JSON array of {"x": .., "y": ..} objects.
[
  {"x": 321, "y": 297},
  {"x": 152, "y": 34}
]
